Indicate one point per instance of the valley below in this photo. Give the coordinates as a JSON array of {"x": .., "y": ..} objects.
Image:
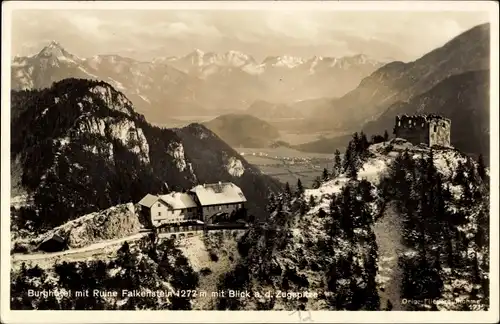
[
  {"x": 280, "y": 160},
  {"x": 287, "y": 164}
]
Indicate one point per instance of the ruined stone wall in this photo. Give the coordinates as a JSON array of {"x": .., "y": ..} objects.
[
  {"x": 413, "y": 129},
  {"x": 427, "y": 129},
  {"x": 439, "y": 132}
]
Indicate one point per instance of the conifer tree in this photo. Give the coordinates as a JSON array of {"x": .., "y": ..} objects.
[
  {"x": 356, "y": 141},
  {"x": 302, "y": 207},
  {"x": 300, "y": 188},
  {"x": 352, "y": 171},
  {"x": 333, "y": 227},
  {"x": 482, "y": 235},
  {"x": 271, "y": 204},
  {"x": 346, "y": 212},
  {"x": 363, "y": 147},
  {"x": 325, "y": 176},
  {"x": 312, "y": 201},
  {"x": 337, "y": 164},
  {"x": 348, "y": 156},
  {"x": 288, "y": 191}
]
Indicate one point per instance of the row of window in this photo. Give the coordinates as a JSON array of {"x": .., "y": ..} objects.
[
  {"x": 180, "y": 229},
  {"x": 210, "y": 208},
  {"x": 219, "y": 207},
  {"x": 412, "y": 123},
  {"x": 189, "y": 213},
  {"x": 172, "y": 220}
]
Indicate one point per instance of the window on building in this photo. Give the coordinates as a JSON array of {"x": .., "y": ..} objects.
[
  {"x": 159, "y": 205},
  {"x": 159, "y": 213},
  {"x": 435, "y": 128}
]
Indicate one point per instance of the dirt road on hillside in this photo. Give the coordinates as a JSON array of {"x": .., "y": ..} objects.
[
  {"x": 86, "y": 250},
  {"x": 388, "y": 231}
]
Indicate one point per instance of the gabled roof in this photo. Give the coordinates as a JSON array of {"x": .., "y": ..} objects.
[
  {"x": 176, "y": 200},
  {"x": 148, "y": 200},
  {"x": 219, "y": 193},
  {"x": 179, "y": 200}
]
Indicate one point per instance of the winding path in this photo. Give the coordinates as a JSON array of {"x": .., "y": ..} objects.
[
  {"x": 89, "y": 248},
  {"x": 93, "y": 249},
  {"x": 388, "y": 231}
]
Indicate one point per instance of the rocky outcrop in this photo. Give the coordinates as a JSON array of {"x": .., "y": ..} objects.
[{"x": 114, "y": 222}]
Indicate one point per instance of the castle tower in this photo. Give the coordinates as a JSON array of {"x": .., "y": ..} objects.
[{"x": 428, "y": 129}]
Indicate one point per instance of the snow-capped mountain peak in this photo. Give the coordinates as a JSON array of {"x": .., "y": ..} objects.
[
  {"x": 54, "y": 51},
  {"x": 286, "y": 61},
  {"x": 198, "y": 52},
  {"x": 195, "y": 57}
]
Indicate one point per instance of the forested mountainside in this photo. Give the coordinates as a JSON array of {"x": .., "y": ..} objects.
[
  {"x": 464, "y": 98},
  {"x": 80, "y": 147},
  {"x": 399, "y": 82},
  {"x": 392, "y": 222},
  {"x": 241, "y": 130}
]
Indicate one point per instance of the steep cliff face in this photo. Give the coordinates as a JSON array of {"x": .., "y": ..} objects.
[{"x": 81, "y": 147}]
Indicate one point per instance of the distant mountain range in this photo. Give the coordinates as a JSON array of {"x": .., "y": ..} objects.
[
  {"x": 79, "y": 146},
  {"x": 199, "y": 83},
  {"x": 452, "y": 80},
  {"x": 240, "y": 130}
]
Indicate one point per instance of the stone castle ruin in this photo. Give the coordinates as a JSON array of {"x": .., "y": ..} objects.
[{"x": 428, "y": 129}]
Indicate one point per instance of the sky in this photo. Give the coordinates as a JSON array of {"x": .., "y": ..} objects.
[{"x": 146, "y": 34}]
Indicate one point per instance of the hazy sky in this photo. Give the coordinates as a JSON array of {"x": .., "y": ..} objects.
[{"x": 147, "y": 34}]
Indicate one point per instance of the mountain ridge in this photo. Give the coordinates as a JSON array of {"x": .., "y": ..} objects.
[
  {"x": 452, "y": 80},
  {"x": 398, "y": 81},
  {"x": 87, "y": 149},
  {"x": 464, "y": 98},
  {"x": 198, "y": 84},
  {"x": 243, "y": 130}
]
